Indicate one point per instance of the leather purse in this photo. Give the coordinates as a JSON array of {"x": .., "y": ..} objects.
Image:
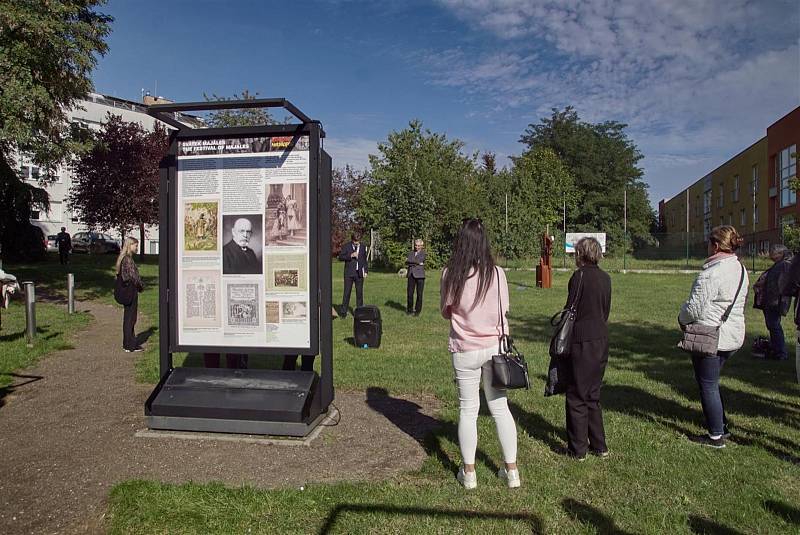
[
  {"x": 509, "y": 369},
  {"x": 564, "y": 323},
  {"x": 703, "y": 340}
]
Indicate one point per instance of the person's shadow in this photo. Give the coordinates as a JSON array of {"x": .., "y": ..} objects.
[{"x": 426, "y": 430}]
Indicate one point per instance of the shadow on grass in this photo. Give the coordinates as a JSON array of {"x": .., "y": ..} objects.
[
  {"x": 94, "y": 274},
  {"x": 429, "y": 432},
  {"x": 397, "y": 305},
  {"x": 539, "y": 428},
  {"x": 145, "y": 335},
  {"x": 9, "y": 389},
  {"x": 586, "y": 514},
  {"x": 534, "y": 522},
  {"x": 783, "y": 510},
  {"x": 21, "y": 334},
  {"x": 698, "y": 524}
]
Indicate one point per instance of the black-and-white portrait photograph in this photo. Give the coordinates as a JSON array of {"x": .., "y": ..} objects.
[
  {"x": 242, "y": 252},
  {"x": 286, "y": 215}
]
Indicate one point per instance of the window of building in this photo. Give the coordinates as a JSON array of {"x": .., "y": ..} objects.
[
  {"x": 743, "y": 217},
  {"x": 785, "y": 170},
  {"x": 755, "y": 214},
  {"x": 722, "y": 220},
  {"x": 707, "y": 202},
  {"x": 735, "y": 191},
  {"x": 721, "y": 198},
  {"x": 730, "y": 219}
]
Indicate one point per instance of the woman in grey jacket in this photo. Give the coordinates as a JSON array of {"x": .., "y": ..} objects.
[
  {"x": 722, "y": 280},
  {"x": 416, "y": 277}
]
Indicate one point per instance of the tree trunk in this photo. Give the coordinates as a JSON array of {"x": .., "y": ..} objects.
[{"x": 141, "y": 242}]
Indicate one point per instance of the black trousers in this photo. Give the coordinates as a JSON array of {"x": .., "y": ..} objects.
[
  {"x": 128, "y": 324},
  {"x": 290, "y": 362},
  {"x": 419, "y": 285},
  {"x": 63, "y": 256},
  {"x": 585, "y": 370},
  {"x": 348, "y": 286}
]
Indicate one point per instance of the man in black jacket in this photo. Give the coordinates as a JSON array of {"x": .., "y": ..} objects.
[
  {"x": 355, "y": 271},
  {"x": 64, "y": 243},
  {"x": 416, "y": 277}
]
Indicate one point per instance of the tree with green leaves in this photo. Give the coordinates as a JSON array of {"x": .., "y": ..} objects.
[
  {"x": 47, "y": 51},
  {"x": 116, "y": 183},
  {"x": 604, "y": 162},
  {"x": 346, "y": 187},
  {"x": 238, "y": 117},
  {"x": 420, "y": 186},
  {"x": 539, "y": 184}
]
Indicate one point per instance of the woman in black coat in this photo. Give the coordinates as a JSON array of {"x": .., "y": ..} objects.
[{"x": 586, "y": 364}]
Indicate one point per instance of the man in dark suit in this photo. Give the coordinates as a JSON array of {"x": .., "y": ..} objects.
[
  {"x": 416, "y": 277},
  {"x": 355, "y": 270},
  {"x": 237, "y": 257},
  {"x": 64, "y": 243}
]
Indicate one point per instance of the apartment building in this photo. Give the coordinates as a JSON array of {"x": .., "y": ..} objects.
[
  {"x": 91, "y": 112},
  {"x": 750, "y": 191}
]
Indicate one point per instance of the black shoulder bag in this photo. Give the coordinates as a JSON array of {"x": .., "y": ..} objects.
[
  {"x": 124, "y": 291},
  {"x": 509, "y": 369},
  {"x": 564, "y": 323}
]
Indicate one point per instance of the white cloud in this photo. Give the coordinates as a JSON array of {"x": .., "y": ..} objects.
[
  {"x": 696, "y": 81},
  {"x": 351, "y": 151}
]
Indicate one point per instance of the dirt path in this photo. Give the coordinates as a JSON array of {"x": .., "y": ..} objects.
[{"x": 67, "y": 438}]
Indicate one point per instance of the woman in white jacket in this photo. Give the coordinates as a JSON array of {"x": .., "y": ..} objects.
[{"x": 716, "y": 287}]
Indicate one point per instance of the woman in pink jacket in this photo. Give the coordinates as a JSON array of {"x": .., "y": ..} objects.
[{"x": 474, "y": 294}]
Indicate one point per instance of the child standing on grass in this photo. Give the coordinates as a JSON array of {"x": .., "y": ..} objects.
[{"x": 474, "y": 294}]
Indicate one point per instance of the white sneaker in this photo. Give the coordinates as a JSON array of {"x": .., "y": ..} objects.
[
  {"x": 468, "y": 479},
  {"x": 510, "y": 476}
]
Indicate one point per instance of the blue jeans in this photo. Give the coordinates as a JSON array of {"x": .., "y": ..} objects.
[
  {"x": 707, "y": 371},
  {"x": 772, "y": 317}
]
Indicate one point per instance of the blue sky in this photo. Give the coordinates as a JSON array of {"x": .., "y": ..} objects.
[{"x": 696, "y": 81}]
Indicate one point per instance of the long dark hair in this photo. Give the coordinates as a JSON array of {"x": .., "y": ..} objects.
[{"x": 470, "y": 251}]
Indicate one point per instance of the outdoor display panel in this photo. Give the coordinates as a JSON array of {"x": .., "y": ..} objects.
[
  {"x": 243, "y": 255},
  {"x": 245, "y": 268}
]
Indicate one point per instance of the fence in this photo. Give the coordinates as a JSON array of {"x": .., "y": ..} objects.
[{"x": 665, "y": 251}]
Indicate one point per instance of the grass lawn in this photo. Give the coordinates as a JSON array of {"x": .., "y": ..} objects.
[
  {"x": 655, "y": 481},
  {"x": 54, "y": 330}
]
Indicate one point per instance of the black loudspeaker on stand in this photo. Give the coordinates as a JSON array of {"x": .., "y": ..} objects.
[{"x": 367, "y": 326}]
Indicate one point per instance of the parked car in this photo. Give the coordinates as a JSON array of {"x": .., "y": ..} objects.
[
  {"x": 94, "y": 243},
  {"x": 52, "y": 247}
]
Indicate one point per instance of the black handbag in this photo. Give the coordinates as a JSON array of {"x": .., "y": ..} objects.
[
  {"x": 124, "y": 292},
  {"x": 509, "y": 369},
  {"x": 564, "y": 323}
]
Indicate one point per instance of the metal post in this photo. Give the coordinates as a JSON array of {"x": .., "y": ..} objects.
[
  {"x": 506, "y": 214},
  {"x": 30, "y": 312},
  {"x": 687, "y": 228},
  {"x": 70, "y": 293},
  {"x": 624, "y": 228},
  {"x": 564, "y": 240},
  {"x": 753, "y": 217}
]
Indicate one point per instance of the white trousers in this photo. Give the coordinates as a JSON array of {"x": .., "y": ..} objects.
[{"x": 469, "y": 366}]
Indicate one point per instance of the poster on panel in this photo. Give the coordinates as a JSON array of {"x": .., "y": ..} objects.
[
  {"x": 574, "y": 237},
  {"x": 243, "y": 252}
]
